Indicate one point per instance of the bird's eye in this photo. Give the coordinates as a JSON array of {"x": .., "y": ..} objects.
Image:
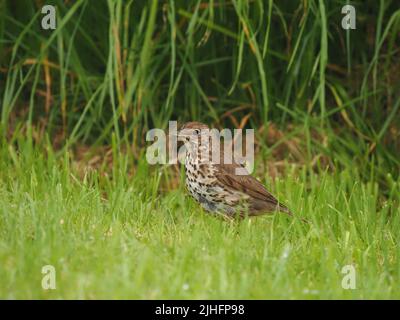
[{"x": 196, "y": 131}]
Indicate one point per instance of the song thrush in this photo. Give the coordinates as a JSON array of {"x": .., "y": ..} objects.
[{"x": 216, "y": 186}]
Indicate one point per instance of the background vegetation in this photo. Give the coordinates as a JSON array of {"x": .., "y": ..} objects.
[{"x": 76, "y": 102}]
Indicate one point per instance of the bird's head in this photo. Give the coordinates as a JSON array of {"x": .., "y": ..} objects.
[{"x": 192, "y": 133}]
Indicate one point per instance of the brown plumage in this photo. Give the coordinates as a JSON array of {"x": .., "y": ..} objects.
[{"x": 216, "y": 185}]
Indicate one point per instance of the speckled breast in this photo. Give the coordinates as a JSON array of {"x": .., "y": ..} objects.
[{"x": 204, "y": 187}]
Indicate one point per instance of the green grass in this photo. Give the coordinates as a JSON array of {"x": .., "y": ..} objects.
[
  {"x": 145, "y": 63},
  {"x": 115, "y": 236}
]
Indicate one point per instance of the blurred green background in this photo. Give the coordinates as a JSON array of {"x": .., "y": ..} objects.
[{"x": 285, "y": 68}]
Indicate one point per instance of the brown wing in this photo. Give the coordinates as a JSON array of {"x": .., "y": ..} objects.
[{"x": 261, "y": 201}]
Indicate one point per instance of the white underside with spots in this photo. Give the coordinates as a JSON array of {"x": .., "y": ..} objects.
[{"x": 213, "y": 199}]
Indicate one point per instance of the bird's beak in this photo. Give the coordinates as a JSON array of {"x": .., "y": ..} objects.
[{"x": 183, "y": 134}]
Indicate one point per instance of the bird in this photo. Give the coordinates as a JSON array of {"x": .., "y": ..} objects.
[{"x": 216, "y": 185}]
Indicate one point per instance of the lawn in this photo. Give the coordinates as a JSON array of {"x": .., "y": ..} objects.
[{"x": 119, "y": 236}]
